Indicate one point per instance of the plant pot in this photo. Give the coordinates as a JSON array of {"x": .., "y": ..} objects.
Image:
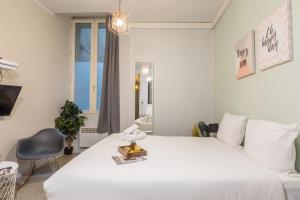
[{"x": 68, "y": 151}]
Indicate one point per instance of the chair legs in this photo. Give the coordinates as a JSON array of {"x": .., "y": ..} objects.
[
  {"x": 33, "y": 165},
  {"x": 54, "y": 165},
  {"x": 28, "y": 174},
  {"x": 51, "y": 161}
]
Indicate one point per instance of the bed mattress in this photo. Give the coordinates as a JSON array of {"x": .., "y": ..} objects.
[{"x": 177, "y": 168}]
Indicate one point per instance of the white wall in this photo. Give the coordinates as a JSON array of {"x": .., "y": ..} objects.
[
  {"x": 126, "y": 84},
  {"x": 272, "y": 94},
  {"x": 183, "y": 76},
  {"x": 39, "y": 42}
]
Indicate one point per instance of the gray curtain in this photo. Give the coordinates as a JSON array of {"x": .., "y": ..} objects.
[{"x": 109, "y": 116}]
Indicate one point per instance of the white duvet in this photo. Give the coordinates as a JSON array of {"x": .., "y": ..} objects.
[{"x": 178, "y": 168}]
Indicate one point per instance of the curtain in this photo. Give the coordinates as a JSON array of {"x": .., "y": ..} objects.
[{"x": 109, "y": 116}]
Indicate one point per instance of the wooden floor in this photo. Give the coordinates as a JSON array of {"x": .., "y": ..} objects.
[{"x": 33, "y": 189}]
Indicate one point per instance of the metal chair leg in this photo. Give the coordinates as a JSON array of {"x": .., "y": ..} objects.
[
  {"x": 33, "y": 165},
  {"x": 28, "y": 174},
  {"x": 53, "y": 164}
]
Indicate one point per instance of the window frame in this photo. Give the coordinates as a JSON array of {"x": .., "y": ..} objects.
[{"x": 93, "y": 60}]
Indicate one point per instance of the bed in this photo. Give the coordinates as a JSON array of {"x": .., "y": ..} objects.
[{"x": 177, "y": 168}]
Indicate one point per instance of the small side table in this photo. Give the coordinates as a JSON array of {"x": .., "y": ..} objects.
[{"x": 8, "y": 180}]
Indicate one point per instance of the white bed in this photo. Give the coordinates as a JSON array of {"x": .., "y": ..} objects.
[
  {"x": 178, "y": 168},
  {"x": 291, "y": 185}
]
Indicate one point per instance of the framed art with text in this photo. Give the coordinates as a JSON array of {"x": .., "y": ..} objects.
[
  {"x": 245, "y": 56},
  {"x": 274, "y": 38}
]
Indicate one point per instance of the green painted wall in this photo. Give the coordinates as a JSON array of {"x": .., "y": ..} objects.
[{"x": 273, "y": 94}]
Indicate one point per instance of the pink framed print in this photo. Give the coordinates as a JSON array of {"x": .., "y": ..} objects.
[{"x": 245, "y": 56}]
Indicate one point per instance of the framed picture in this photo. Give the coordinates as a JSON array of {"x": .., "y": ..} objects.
[
  {"x": 245, "y": 56},
  {"x": 274, "y": 40}
]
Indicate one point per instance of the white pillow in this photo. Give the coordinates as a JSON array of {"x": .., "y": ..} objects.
[
  {"x": 232, "y": 129},
  {"x": 272, "y": 144}
]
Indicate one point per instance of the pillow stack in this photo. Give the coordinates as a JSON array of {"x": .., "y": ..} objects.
[{"x": 269, "y": 143}]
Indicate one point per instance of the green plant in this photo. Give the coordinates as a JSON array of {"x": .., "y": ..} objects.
[{"x": 70, "y": 121}]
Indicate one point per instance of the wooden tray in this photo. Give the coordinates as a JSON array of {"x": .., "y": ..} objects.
[{"x": 126, "y": 151}]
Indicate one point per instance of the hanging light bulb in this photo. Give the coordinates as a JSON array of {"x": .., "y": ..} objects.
[{"x": 118, "y": 22}]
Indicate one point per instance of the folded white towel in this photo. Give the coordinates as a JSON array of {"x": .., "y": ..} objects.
[
  {"x": 140, "y": 134},
  {"x": 131, "y": 129},
  {"x": 136, "y": 135}
]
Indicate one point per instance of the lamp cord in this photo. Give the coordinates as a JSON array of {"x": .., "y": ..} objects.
[{"x": 119, "y": 5}]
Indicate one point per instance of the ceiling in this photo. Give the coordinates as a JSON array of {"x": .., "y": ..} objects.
[{"x": 142, "y": 11}]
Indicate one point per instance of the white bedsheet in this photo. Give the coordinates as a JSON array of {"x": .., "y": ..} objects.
[
  {"x": 178, "y": 168},
  {"x": 291, "y": 186}
]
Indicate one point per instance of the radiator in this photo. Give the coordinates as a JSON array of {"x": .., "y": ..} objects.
[{"x": 89, "y": 136}]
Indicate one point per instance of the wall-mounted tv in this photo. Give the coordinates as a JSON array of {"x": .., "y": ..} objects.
[{"x": 8, "y": 98}]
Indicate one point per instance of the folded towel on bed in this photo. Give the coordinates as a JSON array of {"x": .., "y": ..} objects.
[
  {"x": 131, "y": 129},
  {"x": 136, "y": 135}
]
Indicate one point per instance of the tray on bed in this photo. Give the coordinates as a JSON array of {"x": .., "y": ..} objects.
[{"x": 132, "y": 151}]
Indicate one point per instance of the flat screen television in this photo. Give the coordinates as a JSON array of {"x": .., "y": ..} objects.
[{"x": 8, "y": 98}]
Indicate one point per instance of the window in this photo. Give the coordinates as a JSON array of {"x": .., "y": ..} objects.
[{"x": 88, "y": 64}]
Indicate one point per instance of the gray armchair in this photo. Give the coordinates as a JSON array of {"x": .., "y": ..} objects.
[{"x": 45, "y": 145}]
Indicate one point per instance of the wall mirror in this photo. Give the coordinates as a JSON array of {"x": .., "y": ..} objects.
[{"x": 144, "y": 96}]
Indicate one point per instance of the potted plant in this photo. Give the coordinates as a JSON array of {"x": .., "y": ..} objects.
[{"x": 69, "y": 123}]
